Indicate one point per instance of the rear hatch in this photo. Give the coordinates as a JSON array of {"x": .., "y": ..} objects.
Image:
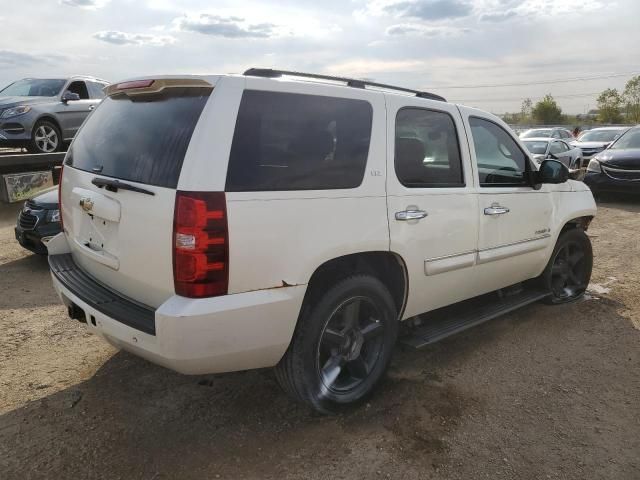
[{"x": 119, "y": 184}]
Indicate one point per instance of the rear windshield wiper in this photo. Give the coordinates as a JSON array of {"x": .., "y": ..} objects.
[{"x": 115, "y": 185}]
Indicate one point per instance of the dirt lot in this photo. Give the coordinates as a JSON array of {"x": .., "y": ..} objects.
[{"x": 546, "y": 392}]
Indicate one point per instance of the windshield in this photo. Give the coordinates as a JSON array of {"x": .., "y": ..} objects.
[
  {"x": 143, "y": 138},
  {"x": 33, "y": 88},
  {"x": 599, "y": 135},
  {"x": 629, "y": 140},
  {"x": 537, "y": 148},
  {"x": 536, "y": 133}
]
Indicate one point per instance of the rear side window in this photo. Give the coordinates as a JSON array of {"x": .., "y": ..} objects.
[
  {"x": 95, "y": 90},
  {"x": 427, "y": 152},
  {"x": 286, "y": 141},
  {"x": 142, "y": 139}
]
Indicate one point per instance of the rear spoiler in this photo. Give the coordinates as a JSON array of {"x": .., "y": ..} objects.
[{"x": 145, "y": 87}]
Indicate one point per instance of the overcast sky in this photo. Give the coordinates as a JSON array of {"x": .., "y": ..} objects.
[{"x": 426, "y": 44}]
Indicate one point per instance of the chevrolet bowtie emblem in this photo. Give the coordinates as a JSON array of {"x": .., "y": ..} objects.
[{"x": 86, "y": 204}]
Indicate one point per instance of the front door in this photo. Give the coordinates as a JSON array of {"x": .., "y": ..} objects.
[
  {"x": 515, "y": 218},
  {"x": 432, "y": 205},
  {"x": 74, "y": 112}
]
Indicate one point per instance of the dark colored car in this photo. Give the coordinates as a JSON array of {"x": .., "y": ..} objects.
[
  {"x": 38, "y": 221},
  {"x": 617, "y": 169}
]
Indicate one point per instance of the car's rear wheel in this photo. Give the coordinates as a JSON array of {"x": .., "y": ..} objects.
[
  {"x": 342, "y": 345},
  {"x": 568, "y": 272},
  {"x": 45, "y": 137}
]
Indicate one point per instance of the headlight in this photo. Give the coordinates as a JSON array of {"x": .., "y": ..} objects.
[
  {"x": 15, "y": 111},
  {"x": 53, "y": 216},
  {"x": 594, "y": 166}
]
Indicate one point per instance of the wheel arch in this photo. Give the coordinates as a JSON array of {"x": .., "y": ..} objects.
[
  {"x": 388, "y": 267},
  {"x": 581, "y": 222},
  {"x": 49, "y": 118}
]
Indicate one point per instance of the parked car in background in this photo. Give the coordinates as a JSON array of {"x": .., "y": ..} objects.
[
  {"x": 39, "y": 221},
  {"x": 544, "y": 148},
  {"x": 44, "y": 114},
  {"x": 596, "y": 140},
  {"x": 617, "y": 169},
  {"x": 555, "y": 132}
]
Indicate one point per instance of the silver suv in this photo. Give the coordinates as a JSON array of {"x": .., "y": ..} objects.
[{"x": 43, "y": 114}]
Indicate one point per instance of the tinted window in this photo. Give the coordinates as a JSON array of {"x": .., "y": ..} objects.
[
  {"x": 95, "y": 90},
  {"x": 500, "y": 160},
  {"x": 80, "y": 88},
  {"x": 141, "y": 139},
  {"x": 287, "y": 141},
  {"x": 427, "y": 152}
]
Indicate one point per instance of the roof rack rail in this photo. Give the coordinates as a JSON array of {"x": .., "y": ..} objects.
[{"x": 351, "y": 82}]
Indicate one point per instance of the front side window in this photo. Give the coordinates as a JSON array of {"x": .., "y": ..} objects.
[
  {"x": 427, "y": 153},
  {"x": 501, "y": 163},
  {"x": 80, "y": 88},
  {"x": 287, "y": 141}
]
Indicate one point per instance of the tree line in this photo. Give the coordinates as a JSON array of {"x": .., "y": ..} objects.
[{"x": 613, "y": 107}]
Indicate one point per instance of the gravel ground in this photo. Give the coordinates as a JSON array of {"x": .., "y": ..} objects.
[{"x": 545, "y": 392}]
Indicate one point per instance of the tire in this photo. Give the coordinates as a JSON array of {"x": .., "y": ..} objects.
[
  {"x": 45, "y": 138},
  {"x": 342, "y": 345},
  {"x": 568, "y": 272}
]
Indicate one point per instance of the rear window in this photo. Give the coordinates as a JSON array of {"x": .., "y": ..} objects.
[
  {"x": 286, "y": 141},
  {"x": 537, "y": 148},
  {"x": 141, "y": 139}
]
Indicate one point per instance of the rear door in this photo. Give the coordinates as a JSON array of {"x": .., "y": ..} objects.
[
  {"x": 432, "y": 204},
  {"x": 515, "y": 218},
  {"x": 121, "y": 235}
]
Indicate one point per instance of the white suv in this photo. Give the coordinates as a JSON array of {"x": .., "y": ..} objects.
[{"x": 232, "y": 222}]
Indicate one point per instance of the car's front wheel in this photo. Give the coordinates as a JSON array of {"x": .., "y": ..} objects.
[
  {"x": 45, "y": 137},
  {"x": 568, "y": 272},
  {"x": 342, "y": 345}
]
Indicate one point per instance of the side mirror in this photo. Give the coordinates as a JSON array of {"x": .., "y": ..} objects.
[
  {"x": 70, "y": 97},
  {"x": 552, "y": 171},
  {"x": 552, "y": 156}
]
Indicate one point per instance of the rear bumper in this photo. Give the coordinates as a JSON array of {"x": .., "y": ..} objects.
[{"x": 191, "y": 336}]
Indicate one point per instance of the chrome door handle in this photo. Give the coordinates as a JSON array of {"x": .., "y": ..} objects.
[
  {"x": 496, "y": 210},
  {"x": 410, "y": 215}
]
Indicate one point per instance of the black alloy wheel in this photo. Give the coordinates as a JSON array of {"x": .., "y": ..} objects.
[
  {"x": 350, "y": 345},
  {"x": 569, "y": 270},
  {"x": 342, "y": 344}
]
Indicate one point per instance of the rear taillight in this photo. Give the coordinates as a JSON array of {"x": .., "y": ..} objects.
[
  {"x": 200, "y": 244},
  {"x": 60, "y": 196}
]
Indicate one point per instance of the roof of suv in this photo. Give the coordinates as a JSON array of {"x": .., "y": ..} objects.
[{"x": 71, "y": 77}]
